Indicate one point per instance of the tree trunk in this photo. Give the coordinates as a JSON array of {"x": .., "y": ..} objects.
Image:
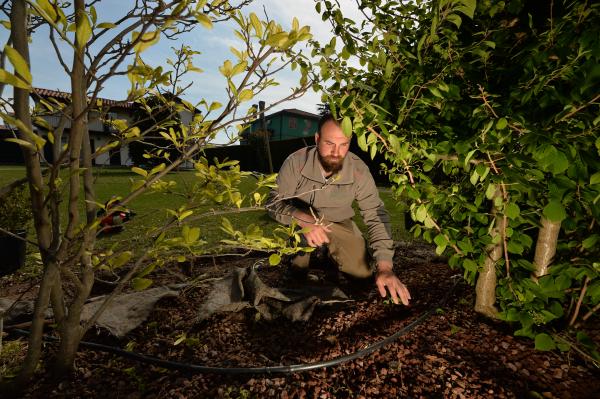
[
  {"x": 485, "y": 288},
  {"x": 545, "y": 247},
  {"x": 71, "y": 331},
  {"x": 18, "y": 19}
]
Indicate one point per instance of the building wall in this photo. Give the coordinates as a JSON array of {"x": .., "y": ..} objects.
[{"x": 288, "y": 126}]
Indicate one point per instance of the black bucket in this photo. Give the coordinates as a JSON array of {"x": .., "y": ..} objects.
[{"x": 12, "y": 252}]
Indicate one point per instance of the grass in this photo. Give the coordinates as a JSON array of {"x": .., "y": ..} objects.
[{"x": 150, "y": 208}]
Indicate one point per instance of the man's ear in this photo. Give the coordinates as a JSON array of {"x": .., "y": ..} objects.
[{"x": 316, "y": 138}]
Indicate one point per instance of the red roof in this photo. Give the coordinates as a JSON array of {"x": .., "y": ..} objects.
[{"x": 62, "y": 95}]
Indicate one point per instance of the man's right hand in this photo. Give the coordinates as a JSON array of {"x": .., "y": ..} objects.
[{"x": 316, "y": 234}]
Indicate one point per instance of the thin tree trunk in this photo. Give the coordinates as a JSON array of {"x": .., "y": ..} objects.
[
  {"x": 485, "y": 288},
  {"x": 18, "y": 19},
  {"x": 71, "y": 330},
  {"x": 545, "y": 247}
]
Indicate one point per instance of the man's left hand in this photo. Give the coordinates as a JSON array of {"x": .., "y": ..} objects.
[{"x": 386, "y": 279}]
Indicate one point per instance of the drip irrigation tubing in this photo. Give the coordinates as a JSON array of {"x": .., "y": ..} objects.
[{"x": 295, "y": 368}]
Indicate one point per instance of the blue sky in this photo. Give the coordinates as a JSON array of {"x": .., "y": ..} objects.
[{"x": 212, "y": 43}]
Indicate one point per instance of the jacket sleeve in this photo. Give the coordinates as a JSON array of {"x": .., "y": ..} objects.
[
  {"x": 375, "y": 216},
  {"x": 287, "y": 180}
]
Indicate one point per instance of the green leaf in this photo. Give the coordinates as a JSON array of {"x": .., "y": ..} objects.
[
  {"x": 595, "y": 179},
  {"x": 13, "y": 80},
  {"x": 83, "y": 32},
  {"x": 190, "y": 234},
  {"x": 140, "y": 284},
  {"x": 362, "y": 142},
  {"x": 474, "y": 177},
  {"x": 512, "y": 210},
  {"x": 158, "y": 169},
  {"x": 421, "y": 213},
  {"x": 245, "y": 95},
  {"x": 227, "y": 227},
  {"x": 560, "y": 163},
  {"x": 214, "y": 106},
  {"x": 145, "y": 41},
  {"x": 121, "y": 259},
  {"x": 373, "y": 151},
  {"x": 256, "y": 24},
  {"x": 544, "y": 342},
  {"x": 47, "y": 10},
  {"x": 467, "y": 7},
  {"x": 591, "y": 241},
  {"x": 139, "y": 171},
  {"x": 455, "y": 19},
  {"x": 19, "y": 63},
  {"x": 435, "y": 92},
  {"x": 441, "y": 242},
  {"x": 389, "y": 68},
  {"x": 274, "y": 259},
  {"x": 22, "y": 143},
  {"x": 106, "y": 25},
  {"x": 239, "y": 68},
  {"x": 491, "y": 191},
  {"x": 204, "y": 20},
  {"x": 563, "y": 346},
  {"x": 501, "y": 123},
  {"x": 226, "y": 69},
  {"x": 347, "y": 126},
  {"x": 184, "y": 215},
  {"x": 555, "y": 212}
]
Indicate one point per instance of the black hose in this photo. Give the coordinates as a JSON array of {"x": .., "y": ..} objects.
[{"x": 168, "y": 364}]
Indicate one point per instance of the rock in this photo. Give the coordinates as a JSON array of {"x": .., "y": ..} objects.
[{"x": 558, "y": 374}]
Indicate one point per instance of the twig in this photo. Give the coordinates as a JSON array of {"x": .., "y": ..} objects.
[
  {"x": 578, "y": 306},
  {"x": 485, "y": 101},
  {"x": 379, "y": 137},
  {"x": 591, "y": 312},
  {"x": 13, "y": 235},
  {"x": 576, "y": 348},
  {"x": 576, "y": 110}
]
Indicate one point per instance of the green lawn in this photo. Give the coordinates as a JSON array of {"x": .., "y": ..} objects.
[{"x": 151, "y": 208}]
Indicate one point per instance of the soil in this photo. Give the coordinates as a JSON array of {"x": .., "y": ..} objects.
[{"x": 455, "y": 353}]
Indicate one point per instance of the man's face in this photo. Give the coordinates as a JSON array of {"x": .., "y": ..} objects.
[{"x": 332, "y": 147}]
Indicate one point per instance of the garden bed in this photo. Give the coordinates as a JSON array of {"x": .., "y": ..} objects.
[{"x": 453, "y": 353}]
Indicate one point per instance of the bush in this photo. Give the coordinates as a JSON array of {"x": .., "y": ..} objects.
[{"x": 15, "y": 210}]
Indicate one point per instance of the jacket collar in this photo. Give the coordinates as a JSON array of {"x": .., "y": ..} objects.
[{"x": 312, "y": 169}]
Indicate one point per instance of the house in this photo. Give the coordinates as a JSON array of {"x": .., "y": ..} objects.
[
  {"x": 101, "y": 130},
  {"x": 284, "y": 125}
]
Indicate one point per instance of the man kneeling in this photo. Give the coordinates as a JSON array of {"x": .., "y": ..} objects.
[{"x": 316, "y": 187}]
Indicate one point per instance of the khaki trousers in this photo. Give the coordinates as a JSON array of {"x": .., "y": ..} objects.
[{"x": 347, "y": 248}]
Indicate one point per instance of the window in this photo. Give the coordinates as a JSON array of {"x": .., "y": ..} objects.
[{"x": 292, "y": 123}]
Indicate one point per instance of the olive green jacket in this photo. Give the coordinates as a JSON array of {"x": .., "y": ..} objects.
[{"x": 301, "y": 186}]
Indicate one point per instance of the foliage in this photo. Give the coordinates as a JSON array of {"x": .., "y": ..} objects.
[
  {"x": 15, "y": 210},
  {"x": 487, "y": 112},
  {"x": 67, "y": 245},
  {"x": 155, "y": 114},
  {"x": 11, "y": 355}
]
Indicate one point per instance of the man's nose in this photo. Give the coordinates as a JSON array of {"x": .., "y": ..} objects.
[{"x": 335, "y": 151}]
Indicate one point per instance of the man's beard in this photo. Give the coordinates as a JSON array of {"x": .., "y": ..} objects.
[{"x": 330, "y": 163}]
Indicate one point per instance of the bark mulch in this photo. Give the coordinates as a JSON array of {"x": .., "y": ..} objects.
[{"x": 455, "y": 353}]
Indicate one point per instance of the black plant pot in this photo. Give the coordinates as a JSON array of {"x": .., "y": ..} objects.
[{"x": 12, "y": 252}]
